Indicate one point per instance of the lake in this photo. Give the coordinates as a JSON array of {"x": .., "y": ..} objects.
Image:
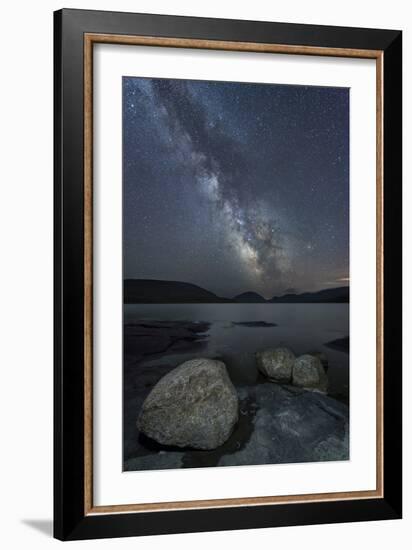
[{"x": 301, "y": 327}]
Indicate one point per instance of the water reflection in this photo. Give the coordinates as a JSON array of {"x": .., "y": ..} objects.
[{"x": 301, "y": 327}]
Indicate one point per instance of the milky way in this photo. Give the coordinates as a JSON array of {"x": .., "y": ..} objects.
[{"x": 236, "y": 187}]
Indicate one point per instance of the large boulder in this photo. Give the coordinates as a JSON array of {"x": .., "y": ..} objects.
[
  {"x": 276, "y": 364},
  {"x": 194, "y": 405},
  {"x": 308, "y": 372}
]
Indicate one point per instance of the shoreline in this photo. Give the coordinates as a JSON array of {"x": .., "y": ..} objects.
[{"x": 274, "y": 419}]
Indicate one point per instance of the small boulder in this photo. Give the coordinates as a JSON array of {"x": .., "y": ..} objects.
[
  {"x": 276, "y": 364},
  {"x": 194, "y": 405},
  {"x": 322, "y": 357},
  {"x": 309, "y": 373}
]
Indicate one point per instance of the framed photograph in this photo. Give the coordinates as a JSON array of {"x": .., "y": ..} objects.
[{"x": 227, "y": 274}]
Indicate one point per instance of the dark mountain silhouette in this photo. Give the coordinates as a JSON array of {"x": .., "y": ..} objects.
[
  {"x": 329, "y": 295},
  {"x": 249, "y": 298},
  {"x": 152, "y": 291}
]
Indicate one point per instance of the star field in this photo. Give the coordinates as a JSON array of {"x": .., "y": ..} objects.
[{"x": 236, "y": 187}]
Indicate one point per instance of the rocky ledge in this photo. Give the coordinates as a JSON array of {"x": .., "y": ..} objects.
[
  {"x": 278, "y": 424},
  {"x": 195, "y": 417},
  {"x": 292, "y": 425}
]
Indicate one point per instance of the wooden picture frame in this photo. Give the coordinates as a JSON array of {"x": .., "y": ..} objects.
[{"x": 76, "y": 33}]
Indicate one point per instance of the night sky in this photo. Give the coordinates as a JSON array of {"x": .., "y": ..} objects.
[{"x": 236, "y": 187}]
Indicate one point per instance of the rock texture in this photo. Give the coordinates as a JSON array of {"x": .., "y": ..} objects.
[
  {"x": 276, "y": 364},
  {"x": 322, "y": 358},
  {"x": 293, "y": 425},
  {"x": 309, "y": 373},
  {"x": 286, "y": 425},
  {"x": 194, "y": 405}
]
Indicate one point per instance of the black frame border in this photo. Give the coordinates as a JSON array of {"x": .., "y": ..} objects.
[{"x": 70, "y": 521}]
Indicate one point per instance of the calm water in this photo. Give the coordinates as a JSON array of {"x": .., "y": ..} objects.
[{"x": 301, "y": 327}]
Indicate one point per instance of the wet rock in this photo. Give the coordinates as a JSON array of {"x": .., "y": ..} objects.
[
  {"x": 254, "y": 324},
  {"x": 151, "y": 337},
  {"x": 294, "y": 425},
  {"x": 157, "y": 461},
  {"x": 276, "y": 364},
  {"x": 194, "y": 405},
  {"x": 309, "y": 373}
]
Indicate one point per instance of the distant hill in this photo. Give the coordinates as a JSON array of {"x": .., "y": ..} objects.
[
  {"x": 329, "y": 295},
  {"x": 151, "y": 291},
  {"x": 249, "y": 298}
]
